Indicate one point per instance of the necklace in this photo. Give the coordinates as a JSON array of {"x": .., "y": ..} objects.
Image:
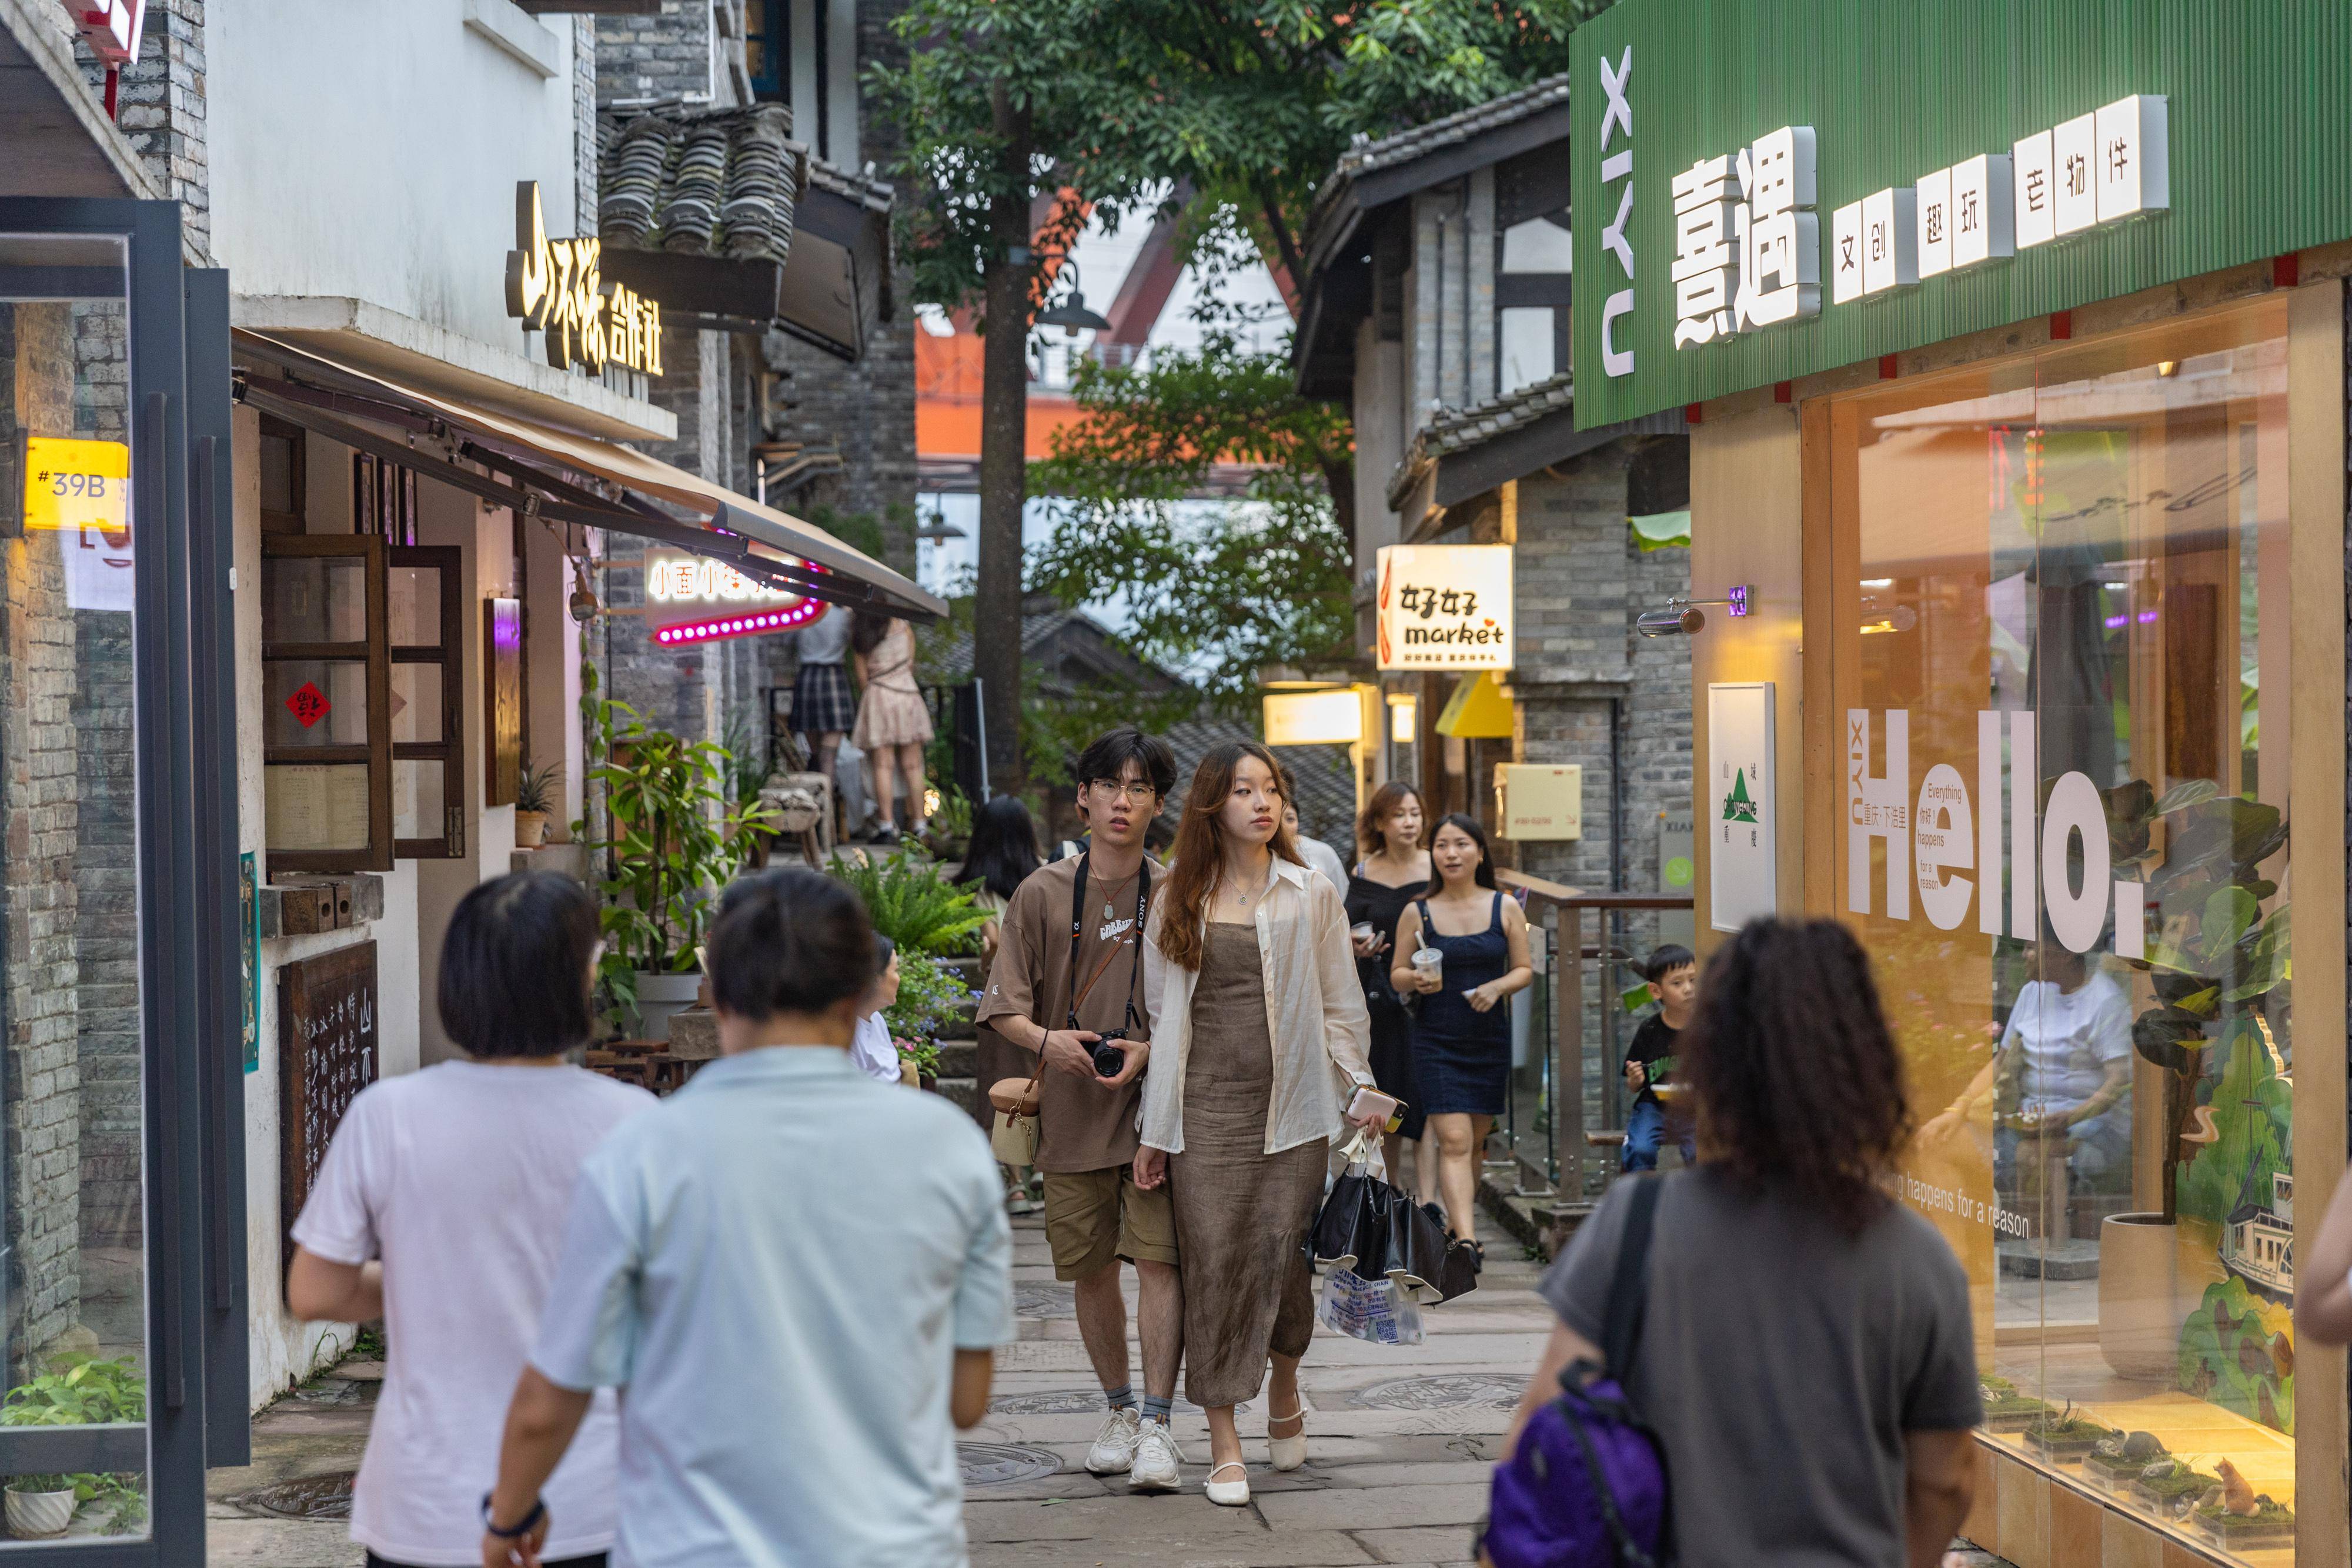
[{"x": 1109, "y": 911}]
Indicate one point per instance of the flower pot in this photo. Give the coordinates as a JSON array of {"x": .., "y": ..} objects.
[
  {"x": 2139, "y": 1289},
  {"x": 531, "y": 830},
  {"x": 660, "y": 998},
  {"x": 38, "y": 1515}
]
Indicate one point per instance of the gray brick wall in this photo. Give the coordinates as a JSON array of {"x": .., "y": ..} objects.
[
  {"x": 160, "y": 108},
  {"x": 39, "y": 828},
  {"x": 647, "y": 59},
  {"x": 583, "y": 125}
]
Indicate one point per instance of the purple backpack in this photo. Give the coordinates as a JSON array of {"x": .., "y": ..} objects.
[{"x": 1586, "y": 1488}]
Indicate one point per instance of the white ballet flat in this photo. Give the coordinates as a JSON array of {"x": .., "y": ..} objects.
[
  {"x": 1290, "y": 1452},
  {"x": 1229, "y": 1494}
]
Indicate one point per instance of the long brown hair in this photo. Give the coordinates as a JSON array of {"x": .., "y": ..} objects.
[
  {"x": 1199, "y": 855},
  {"x": 1799, "y": 1087},
  {"x": 1371, "y": 827}
]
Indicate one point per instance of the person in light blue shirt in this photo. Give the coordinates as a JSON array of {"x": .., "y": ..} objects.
[{"x": 795, "y": 1274}]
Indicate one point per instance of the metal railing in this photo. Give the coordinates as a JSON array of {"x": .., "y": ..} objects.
[{"x": 1545, "y": 1119}]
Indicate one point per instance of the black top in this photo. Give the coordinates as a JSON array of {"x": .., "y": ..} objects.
[
  {"x": 1651, "y": 1041},
  {"x": 1383, "y": 906}
]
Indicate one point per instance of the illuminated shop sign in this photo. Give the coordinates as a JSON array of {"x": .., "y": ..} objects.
[
  {"x": 692, "y": 599},
  {"x": 557, "y": 287},
  {"x": 1444, "y": 607}
]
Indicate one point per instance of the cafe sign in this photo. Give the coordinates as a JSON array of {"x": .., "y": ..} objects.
[
  {"x": 557, "y": 287},
  {"x": 1444, "y": 607}
]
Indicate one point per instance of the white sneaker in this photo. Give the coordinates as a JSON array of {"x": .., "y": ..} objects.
[
  {"x": 1114, "y": 1448},
  {"x": 1156, "y": 1458}
]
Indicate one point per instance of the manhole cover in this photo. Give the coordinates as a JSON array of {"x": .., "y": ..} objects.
[
  {"x": 1002, "y": 1464},
  {"x": 1440, "y": 1393},
  {"x": 1068, "y": 1402},
  {"x": 1044, "y": 1301},
  {"x": 312, "y": 1497}
]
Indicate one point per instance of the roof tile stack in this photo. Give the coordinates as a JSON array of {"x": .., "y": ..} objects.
[{"x": 711, "y": 182}]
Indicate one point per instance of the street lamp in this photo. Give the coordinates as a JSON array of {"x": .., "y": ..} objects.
[{"x": 1071, "y": 313}]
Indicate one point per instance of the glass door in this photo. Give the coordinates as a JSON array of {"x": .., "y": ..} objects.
[{"x": 104, "y": 889}]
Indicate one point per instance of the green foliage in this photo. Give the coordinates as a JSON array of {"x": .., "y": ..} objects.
[
  {"x": 539, "y": 788},
  {"x": 951, "y": 823},
  {"x": 1057, "y": 725},
  {"x": 2229, "y": 1354},
  {"x": 860, "y": 530},
  {"x": 2253, "y": 1110},
  {"x": 672, "y": 830},
  {"x": 915, "y": 905},
  {"x": 1249, "y": 583},
  {"x": 78, "y": 1391},
  {"x": 929, "y": 995}
]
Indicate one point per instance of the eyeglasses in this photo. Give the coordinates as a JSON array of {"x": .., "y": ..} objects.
[{"x": 1138, "y": 791}]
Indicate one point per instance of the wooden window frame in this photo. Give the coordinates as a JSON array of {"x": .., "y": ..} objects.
[
  {"x": 450, "y": 749},
  {"x": 376, "y": 755},
  {"x": 298, "y": 477}
]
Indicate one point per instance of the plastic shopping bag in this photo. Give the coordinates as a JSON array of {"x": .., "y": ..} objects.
[{"x": 1372, "y": 1310}]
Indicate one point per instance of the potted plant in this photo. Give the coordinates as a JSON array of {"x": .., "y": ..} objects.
[
  {"x": 915, "y": 905},
  {"x": 2214, "y": 960},
  {"x": 535, "y": 803},
  {"x": 77, "y": 1391},
  {"x": 671, "y": 826},
  {"x": 757, "y": 821},
  {"x": 41, "y": 1506}
]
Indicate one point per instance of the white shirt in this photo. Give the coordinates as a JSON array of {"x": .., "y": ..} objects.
[
  {"x": 779, "y": 1263},
  {"x": 1320, "y": 856},
  {"x": 459, "y": 1177},
  {"x": 1315, "y": 1014},
  {"x": 2068, "y": 1037},
  {"x": 874, "y": 1052}
]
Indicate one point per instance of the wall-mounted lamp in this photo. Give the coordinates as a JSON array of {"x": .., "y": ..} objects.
[
  {"x": 1681, "y": 617},
  {"x": 1404, "y": 718}
]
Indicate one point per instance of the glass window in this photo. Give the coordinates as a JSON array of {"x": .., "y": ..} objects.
[
  {"x": 2062, "y": 596},
  {"x": 74, "y": 1450}
]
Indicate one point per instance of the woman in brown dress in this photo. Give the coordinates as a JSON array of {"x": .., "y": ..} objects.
[{"x": 1259, "y": 1035}]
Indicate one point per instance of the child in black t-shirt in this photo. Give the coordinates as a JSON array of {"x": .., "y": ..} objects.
[{"x": 1672, "y": 974}]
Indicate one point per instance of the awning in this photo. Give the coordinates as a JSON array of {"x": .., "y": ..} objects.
[{"x": 565, "y": 478}]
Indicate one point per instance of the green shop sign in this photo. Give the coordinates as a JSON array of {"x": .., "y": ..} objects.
[{"x": 1766, "y": 189}]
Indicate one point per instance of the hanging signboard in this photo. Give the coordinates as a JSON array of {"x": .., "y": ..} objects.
[
  {"x": 693, "y": 598},
  {"x": 1444, "y": 607},
  {"x": 1738, "y": 801}
]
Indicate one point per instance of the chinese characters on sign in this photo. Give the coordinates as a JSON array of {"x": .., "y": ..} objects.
[
  {"x": 1444, "y": 607},
  {"x": 1617, "y": 117},
  {"x": 692, "y": 577},
  {"x": 1750, "y": 256},
  {"x": 557, "y": 287},
  {"x": 308, "y": 703}
]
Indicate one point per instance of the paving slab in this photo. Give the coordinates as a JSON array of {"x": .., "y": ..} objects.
[
  {"x": 1417, "y": 1544},
  {"x": 1393, "y": 1507}
]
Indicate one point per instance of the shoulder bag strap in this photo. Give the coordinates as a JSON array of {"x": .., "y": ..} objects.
[{"x": 1629, "y": 1288}]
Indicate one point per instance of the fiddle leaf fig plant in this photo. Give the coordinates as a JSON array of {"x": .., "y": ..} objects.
[{"x": 2218, "y": 962}]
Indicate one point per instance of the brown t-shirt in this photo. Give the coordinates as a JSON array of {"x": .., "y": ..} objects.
[{"x": 1081, "y": 1126}]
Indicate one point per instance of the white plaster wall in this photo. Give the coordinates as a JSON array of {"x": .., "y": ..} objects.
[{"x": 372, "y": 151}]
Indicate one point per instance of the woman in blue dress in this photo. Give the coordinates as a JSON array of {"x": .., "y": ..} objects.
[{"x": 1461, "y": 1040}]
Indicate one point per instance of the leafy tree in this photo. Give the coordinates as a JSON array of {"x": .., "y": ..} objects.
[{"x": 1264, "y": 580}]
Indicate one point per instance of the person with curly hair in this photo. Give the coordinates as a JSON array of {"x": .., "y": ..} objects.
[{"x": 1806, "y": 1357}]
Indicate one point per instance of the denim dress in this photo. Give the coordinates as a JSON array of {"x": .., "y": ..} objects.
[{"x": 1462, "y": 1057}]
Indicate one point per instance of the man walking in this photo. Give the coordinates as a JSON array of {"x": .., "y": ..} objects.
[
  {"x": 1068, "y": 976},
  {"x": 795, "y": 1274}
]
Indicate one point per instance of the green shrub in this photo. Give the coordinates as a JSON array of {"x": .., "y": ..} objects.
[{"x": 915, "y": 905}]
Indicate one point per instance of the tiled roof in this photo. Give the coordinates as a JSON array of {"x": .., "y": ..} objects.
[
  {"x": 719, "y": 183},
  {"x": 1327, "y": 790},
  {"x": 1458, "y": 430},
  {"x": 1366, "y": 155},
  {"x": 863, "y": 189},
  {"x": 953, "y": 664}
]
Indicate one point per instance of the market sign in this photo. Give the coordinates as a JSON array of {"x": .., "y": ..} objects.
[
  {"x": 1444, "y": 607},
  {"x": 557, "y": 287},
  {"x": 1811, "y": 196}
]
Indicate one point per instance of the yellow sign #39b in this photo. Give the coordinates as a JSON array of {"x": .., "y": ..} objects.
[{"x": 75, "y": 484}]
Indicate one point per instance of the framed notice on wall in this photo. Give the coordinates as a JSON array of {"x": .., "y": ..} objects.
[
  {"x": 1738, "y": 804},
  {"x": 326, "y": 1055}
]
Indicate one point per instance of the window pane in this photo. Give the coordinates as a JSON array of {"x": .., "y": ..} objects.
[
  {"x": 314, "y": 599},
  {"x": 414, "y": 598},
  {"x": 312, "y": 807},
  {"x": 2070, "y": 594},
  {"x": 71, "y": 1206},
  {"x": 314, "y": 702},
  {"x": 417, "y": 795},
  {"x": 417, "y": 703}
]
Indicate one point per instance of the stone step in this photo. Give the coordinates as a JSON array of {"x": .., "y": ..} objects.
[
  {"x": 964, "y": 1092},
  {"x": 959, "y": 1058},
  {"x": 954, "y": 1027}
]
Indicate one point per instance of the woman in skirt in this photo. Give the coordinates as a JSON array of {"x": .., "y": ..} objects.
[{"x": 893, "y": 725}]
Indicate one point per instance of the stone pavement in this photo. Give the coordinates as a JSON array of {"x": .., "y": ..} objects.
[{"x": 1400, "y": 1441}]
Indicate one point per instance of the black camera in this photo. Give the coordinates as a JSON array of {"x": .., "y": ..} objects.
[{"x": 1109, "y": 1060}]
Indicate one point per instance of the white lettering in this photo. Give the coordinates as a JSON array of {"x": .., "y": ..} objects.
[
  {"x": 1616, "y": 115},
  {"x": 1942, "y": 837},
  {"x": 1877, "y": 808},
  {"x": 2076, "y": 916}
]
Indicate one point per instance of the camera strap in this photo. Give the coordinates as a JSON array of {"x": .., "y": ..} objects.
[{"x": 1079, "y": 923}]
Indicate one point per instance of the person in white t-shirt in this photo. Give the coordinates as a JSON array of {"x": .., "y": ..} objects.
[
  {"x": 873, "y": 1050},
  {"x": 2067, "y": 1050},
  {"x": 440, "y": 1209}
]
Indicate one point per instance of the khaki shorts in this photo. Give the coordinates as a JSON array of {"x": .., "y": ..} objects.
[{"x": 1094, "y": 1217}]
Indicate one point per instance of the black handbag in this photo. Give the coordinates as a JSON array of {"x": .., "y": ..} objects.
[{"x": 1376, "y": 1230}]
